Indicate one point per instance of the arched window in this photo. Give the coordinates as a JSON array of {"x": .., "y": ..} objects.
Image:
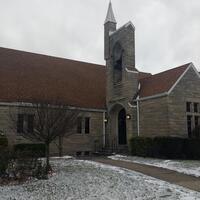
[{"x": 117, "y": 62}]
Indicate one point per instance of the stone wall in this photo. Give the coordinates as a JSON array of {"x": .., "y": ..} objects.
[
  {"x": 81, "y": 142},
  {"x": 167, "y": 116},
  {"x": 72, "y": 144},
  {"x": 188, "y": 90},
  {"x": 154, "y": 117}
]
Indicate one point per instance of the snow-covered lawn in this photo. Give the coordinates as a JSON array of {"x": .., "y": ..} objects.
[
  {"x": 78, "y": 179},
  {"x": 191, "y": 167}
]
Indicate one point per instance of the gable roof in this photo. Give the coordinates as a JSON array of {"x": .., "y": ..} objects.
[
  {"x": 161, "y": 82},
  {"x": 29, "y": 77}
]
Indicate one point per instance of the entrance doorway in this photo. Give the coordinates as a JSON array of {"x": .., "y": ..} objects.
[
  {"x": 122, "y": 127},
  {"x": 117, "y": 136}
]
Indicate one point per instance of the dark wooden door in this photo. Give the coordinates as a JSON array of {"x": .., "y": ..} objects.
[{"x": 122, "y": 127}]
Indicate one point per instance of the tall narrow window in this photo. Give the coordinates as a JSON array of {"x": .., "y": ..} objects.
[
  {"x": 79, "y": 125},
  {"x": 20, "y": 123},
  {"x": 189, "y": 125},
  {"x": 196, "y": 121},
  {"x": 196, "y": 105},
  {"x": 188, "y": 106},
  {"x": 117, "y": 62},
  {"x": 30, "y": 121},
  {"x": 87, "y": 125}
]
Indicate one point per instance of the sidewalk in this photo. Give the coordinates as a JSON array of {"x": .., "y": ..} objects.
[{"x": 170, "y": 176}]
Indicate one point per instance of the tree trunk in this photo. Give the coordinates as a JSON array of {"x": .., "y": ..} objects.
[
  {"x": 48, "y": 167},
  {"x": 60, "y": 147}
]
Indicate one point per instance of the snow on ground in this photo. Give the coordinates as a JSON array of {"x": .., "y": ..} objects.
[
  {"x": 190, "y": 167},
  {"x": 63, "y": 157},
  {"x": 78, "y": 179}
]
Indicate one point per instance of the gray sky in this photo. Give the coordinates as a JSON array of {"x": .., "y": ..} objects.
[{"x": 167, "y": 31}]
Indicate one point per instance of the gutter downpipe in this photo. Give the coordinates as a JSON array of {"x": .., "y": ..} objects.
[
  {"x": 138, "y": 118},
  {"x": 138, "y": 115},
  {"x": 104, "y": 131}
]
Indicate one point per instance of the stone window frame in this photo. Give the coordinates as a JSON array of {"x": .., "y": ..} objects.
[
  {"x": 193, "y": 113},
  {"x": 87, "y": 125},
  {"x": 188, "y": 106},
  {"x": 25, "y": 122},
  {"x": 79, "y": 125},
  {"x": 189, "y": 125},
  {"x": 83, "y": 125},
  {"x": 196, "y": 107},
  {"x": 196, "y": 121},
  {"x": 117, "y": 71}
]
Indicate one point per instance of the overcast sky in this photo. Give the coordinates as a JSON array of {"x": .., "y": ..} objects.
[{"x": 167, "y": 31}]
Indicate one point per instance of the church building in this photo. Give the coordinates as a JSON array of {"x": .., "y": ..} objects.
[{"x": 117, "y": 101}]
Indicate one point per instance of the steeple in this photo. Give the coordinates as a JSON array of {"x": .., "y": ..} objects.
[
  {"x": 110, "y": 25},
  {"x": 110, "y": 15}
]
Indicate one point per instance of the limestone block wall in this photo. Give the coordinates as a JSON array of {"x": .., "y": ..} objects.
[
  {"x": 167, "y": 116},
  {"x": 81, "y": 142},
  {"x": 188, "y": 90},
  {"x": 127, "y": 88},
  {"x": 120, "y": 94},
  {"x": 76, "y": 142},
  {"x": 154, "y": 119}
]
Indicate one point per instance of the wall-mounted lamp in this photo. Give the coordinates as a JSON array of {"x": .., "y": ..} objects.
[
  {"x": 1, "y": 133},
  {"x": 105, "y": 120},
  {"x": 128, "y": 116}
]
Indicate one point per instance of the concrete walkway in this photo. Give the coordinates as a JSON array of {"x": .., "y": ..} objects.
[{"x": 170, "y": 176}]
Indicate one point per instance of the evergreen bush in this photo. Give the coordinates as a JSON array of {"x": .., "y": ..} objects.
[
  {"x": 166, "y": 147},
  {"x": 30, "y": 149}
]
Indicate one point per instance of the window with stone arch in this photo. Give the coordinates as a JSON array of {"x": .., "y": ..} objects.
[{"x": 117, "y": 62}]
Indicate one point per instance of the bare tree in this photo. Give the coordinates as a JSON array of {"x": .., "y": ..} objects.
[{"x": 49, "y": 123}]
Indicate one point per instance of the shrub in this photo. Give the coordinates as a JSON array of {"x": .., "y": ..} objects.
[
  {"x": 4, "y": 155},
  {"x": 141, "y": 147},
  {"x": 192, "y": 148},
  {"x": 22, "y": 162},
  {"x": 4, "y": 161},
  {"x": 166, "y": 147},
  {"x": 3, "y": 142},
  {"x": 196, "y": 132},
  {"x": 30, "y": 150}
]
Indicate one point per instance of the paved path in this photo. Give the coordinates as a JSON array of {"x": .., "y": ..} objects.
[{"x": 170, "y": 176}]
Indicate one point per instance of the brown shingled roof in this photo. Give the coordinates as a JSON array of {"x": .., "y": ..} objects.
[
  {"x": 29, "y": 77},
  {"x": 162, "y": 82}
]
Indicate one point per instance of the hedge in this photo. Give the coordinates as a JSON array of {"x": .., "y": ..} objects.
[
  {"x": 4, "y": 154},
  {"x": 166, "y": 147},
  {"x": 3, "y": 142},
  {"x": 30, "y": 149}
]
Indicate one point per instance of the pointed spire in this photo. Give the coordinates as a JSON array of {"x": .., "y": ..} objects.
[{"x": 110, "y": 15}]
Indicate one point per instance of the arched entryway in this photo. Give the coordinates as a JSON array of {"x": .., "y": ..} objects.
[
  {"x": 117, "y": 121},
  {"x": 122, "y": 127}
]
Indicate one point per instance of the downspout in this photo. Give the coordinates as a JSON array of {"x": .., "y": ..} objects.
[
  {"x": 138, "y": 118},
  {"x": 138, "y": 114},
  {"x": 104, "y": 130}
]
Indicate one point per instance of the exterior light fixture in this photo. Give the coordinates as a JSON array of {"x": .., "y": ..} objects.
[
  {"x": 128, "y": 116},
  {"x": 1, "y": 133},
  {"x": 105, "y": 120}
]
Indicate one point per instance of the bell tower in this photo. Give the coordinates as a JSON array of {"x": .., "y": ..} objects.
[{"x": 121, "y": 81}]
